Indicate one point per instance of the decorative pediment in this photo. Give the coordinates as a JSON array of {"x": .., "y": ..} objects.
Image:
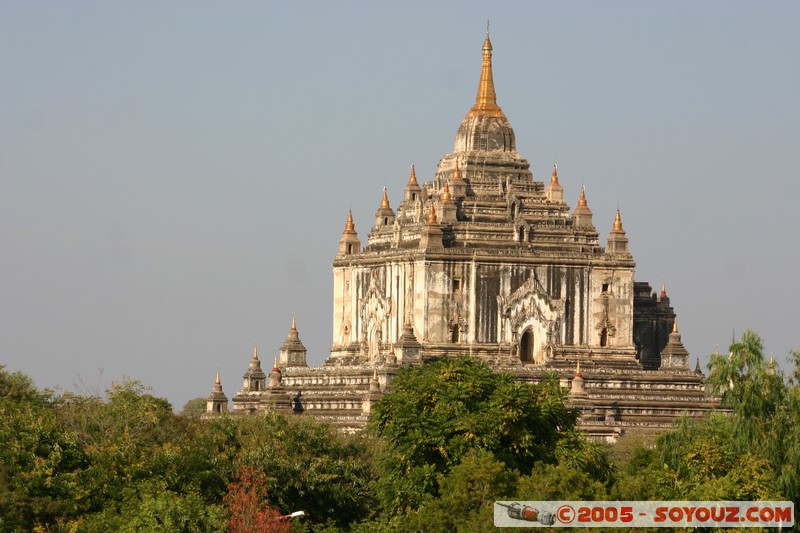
[{"x": 530, "y": 300}]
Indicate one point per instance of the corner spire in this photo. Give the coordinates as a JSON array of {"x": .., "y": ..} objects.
[
  {"x": 385, "y": 200},
  {"x": 618, "y": 222},
  {"x": 446, "y": 197},
  {"x": 431, "y": 219},
  {"x": 582, "y": 200},
  {"x": 350, "y": 227},
  {"x": 486, "y": 99},
  {"x": 412, "y": 179},
  {"x": 457, "y": 174}
]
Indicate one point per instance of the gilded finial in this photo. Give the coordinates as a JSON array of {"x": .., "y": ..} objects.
[
  {"x": 275, "y": 367},
  {"x": 446, "y": 198},
  {"x": 618, "y": 222},
  {"x": 255, "y": 353},
  {"x": 578, "y": 369},
  {"x": 486, "y": 100},
  {"x": 675, "y": 326},
  {"x": 554, "y": 176},
  {"x": 431, "y": 216},
  {"x": 385, "y": 200},
  {"x": 412, "y": 179},
  {"x": 294, "y": 325},
  {"x": 457, "y": 174},
  {"x": 663, "y": 289},
  {"x": 218, "y": 382},
  {"x": 350, "y": 227},
  {"x": 582, "y": 200}
]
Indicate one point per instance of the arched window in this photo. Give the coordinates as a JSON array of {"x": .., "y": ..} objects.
[
  {"x": 456, "y": 334},
  {"x": 526, "y": 347}
]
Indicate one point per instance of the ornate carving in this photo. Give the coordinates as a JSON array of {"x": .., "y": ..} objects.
[
  {"x": 531, "y": 307},
  {"x": 375, "y": 311}
]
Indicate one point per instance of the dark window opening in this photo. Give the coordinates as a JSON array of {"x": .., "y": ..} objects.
[
  {"x": 604, "y": 337},
  {"x": 456, "y": 333},
  {"x": 605, "y": 287}
]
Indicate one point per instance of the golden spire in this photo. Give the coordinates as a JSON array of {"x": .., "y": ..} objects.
[
  {"x": 618, "y": 222},
  {"x": 675, "y": 326},
  {"x": 412, "y": 179},
  {"x": 350, "y": 227},
  {"x": 294, "y": 325},
  {"x": 255, "y": 353},
  {"x": 275, "y": 366},
  {"x": 385, "y": 201},
  {"x": 218, "y": 382},
  {"x": 578, "y": 369},
  {"x": 446, "y": 198},
  {"x": 457, "y": 174},
  {"x": 486, "y": 100},
  {"x": 554, "y": 177},
  {"x": 663, "y": 289},
  {"x": 582, "y": 199},
  {"x": 431, "y": 216}
]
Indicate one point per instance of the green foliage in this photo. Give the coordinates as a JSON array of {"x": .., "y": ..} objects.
[
  {"x": 467, "y": 494},
  {"x": 310, "y": 467},
  {"x": 450, "y": 440},
  {"x": 18, "y": 390},
  {"x": 439, "y": 412},
  {"x": 560, "y": 482},
  {"x": 751, "y": 454},
  {"x": 194, "y": 408}
]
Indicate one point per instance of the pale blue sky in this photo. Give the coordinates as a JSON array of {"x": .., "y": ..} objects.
[{"x": 175, "y": 176}]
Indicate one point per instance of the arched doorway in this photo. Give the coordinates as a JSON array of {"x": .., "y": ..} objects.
[{"x": 526, "y": 347}]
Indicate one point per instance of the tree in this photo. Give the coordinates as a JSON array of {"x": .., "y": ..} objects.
[
  {"x": 310, "y": 466},
  {"x": 440, "y": 411},
  {"x": 466, "y": 497},
  {"x": 766, "y": 421},
  {"x": 752, "y": 453},
  {"x": 247, "y": 507},
  {"x": 194, "y": 408}
]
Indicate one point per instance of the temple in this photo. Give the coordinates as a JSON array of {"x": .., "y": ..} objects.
[{"x": 485, "y": 260}]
